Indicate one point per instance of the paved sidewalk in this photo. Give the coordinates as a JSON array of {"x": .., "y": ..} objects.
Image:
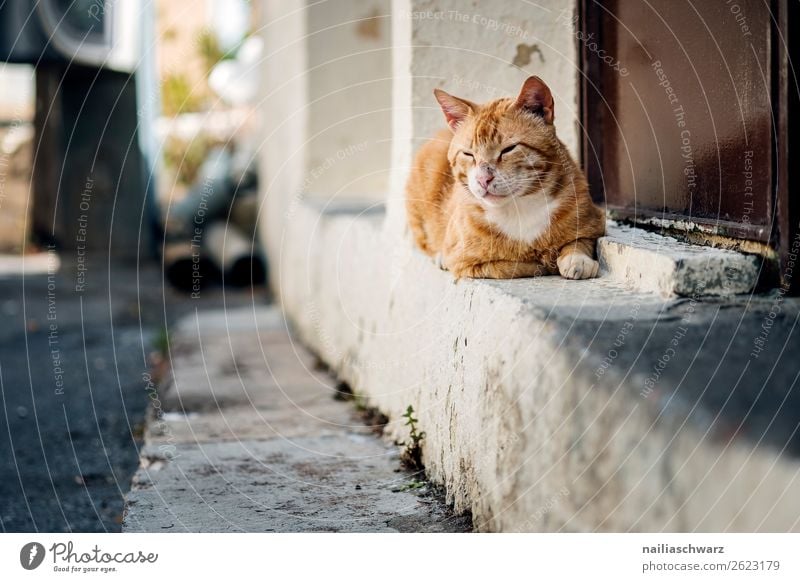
[{"x": 247, "y": 436}]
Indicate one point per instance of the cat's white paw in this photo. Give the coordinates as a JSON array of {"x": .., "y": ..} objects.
[
  {"x": 439, "y": 261},
  {"x": 577, "y": 266}
]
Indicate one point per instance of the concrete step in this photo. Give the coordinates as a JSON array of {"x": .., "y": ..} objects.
[
  {"x": 245, "y": 435},
  {"x": 645, "y": 261}
]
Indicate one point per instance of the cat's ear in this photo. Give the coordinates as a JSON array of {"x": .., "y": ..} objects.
[
  {"x": 455, "y": 110},
  {"x": 536, "y": 97}
]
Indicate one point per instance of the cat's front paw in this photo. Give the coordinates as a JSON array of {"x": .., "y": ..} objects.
[
  {"x": 577, "y": 266},
  {"x": 438, "y": 260}
]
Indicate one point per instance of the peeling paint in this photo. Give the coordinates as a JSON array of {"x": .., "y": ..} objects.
[
  {"x": 370, "y": 26},
  {"x": 524, "y": 53}
]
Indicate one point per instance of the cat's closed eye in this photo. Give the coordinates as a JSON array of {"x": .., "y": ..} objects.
[
  {"x": 507, "y": 150},
  {"x": 468, "y": 154}
]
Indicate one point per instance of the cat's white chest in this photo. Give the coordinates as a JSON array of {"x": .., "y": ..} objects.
[{"x": 524, "y": 219}]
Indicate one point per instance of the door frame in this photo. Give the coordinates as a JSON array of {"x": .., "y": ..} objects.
[{"x": 780, "y": 236}]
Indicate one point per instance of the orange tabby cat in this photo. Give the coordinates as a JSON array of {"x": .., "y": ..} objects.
[{"x": 499, "y": 196}]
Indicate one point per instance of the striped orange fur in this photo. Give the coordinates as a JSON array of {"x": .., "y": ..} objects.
[{"x": 499, "y": 196}]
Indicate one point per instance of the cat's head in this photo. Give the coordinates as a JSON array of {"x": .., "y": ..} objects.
[{"x": 505, "y": 148}]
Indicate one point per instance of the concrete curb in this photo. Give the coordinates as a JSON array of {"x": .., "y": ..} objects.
[{"x": 532, "y": 392}]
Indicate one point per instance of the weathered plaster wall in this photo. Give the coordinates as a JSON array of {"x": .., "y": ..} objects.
[
  {"x": 282, "y": 110},
  {"x": 350, "y": 92}
]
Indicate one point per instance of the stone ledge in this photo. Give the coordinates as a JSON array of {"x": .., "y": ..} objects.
[
  {"x": 646, "y": 261},
  {"x": 557, "y": 405}
]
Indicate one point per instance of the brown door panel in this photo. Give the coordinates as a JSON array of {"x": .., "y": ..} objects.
[{"x": 683, "y": 128}]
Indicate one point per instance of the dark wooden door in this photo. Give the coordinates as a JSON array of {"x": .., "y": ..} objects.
[{"x": 682, "y": 105}]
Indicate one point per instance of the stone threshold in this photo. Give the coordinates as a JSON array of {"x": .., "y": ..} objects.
[{"x": 646, "y": 261}]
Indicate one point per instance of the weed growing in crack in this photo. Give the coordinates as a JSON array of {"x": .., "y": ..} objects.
[
  {"x": 412, "y": 485},
  {"x": 411, "y": 457}
]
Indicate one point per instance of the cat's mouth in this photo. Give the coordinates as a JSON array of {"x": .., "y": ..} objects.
[
  {"x": 493, "y": 199},
  {"x": 487, "y": 197}
]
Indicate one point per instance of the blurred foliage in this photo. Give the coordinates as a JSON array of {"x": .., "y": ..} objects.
[
  {"x": 209, "y": 49},
  {"x": 185, "y": 158},
  {"x": 178, "y": 96}
]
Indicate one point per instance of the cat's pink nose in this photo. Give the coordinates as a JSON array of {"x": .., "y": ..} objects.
[{"x": 484, "y": 179}]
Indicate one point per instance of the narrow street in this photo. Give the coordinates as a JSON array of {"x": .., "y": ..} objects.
[
  {"x": 252, "y": 436},
  {"x": 73, "y": 387}
]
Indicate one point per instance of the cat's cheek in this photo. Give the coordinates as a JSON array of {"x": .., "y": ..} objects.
[{"x": 472, "y": 181}]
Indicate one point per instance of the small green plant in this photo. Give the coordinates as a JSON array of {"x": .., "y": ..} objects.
[
  {"x": 412, "y": 485},
  {"x": 361, "y": 403},
  {"x": 411, "y": 456},
  {"x": 161, "y": 342}
]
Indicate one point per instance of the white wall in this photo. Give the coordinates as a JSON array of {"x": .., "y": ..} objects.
[
  {"x": 326, "y": 107},
  {"x": 283, "y": 115},
  {"x": 350, "y": 92}
]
